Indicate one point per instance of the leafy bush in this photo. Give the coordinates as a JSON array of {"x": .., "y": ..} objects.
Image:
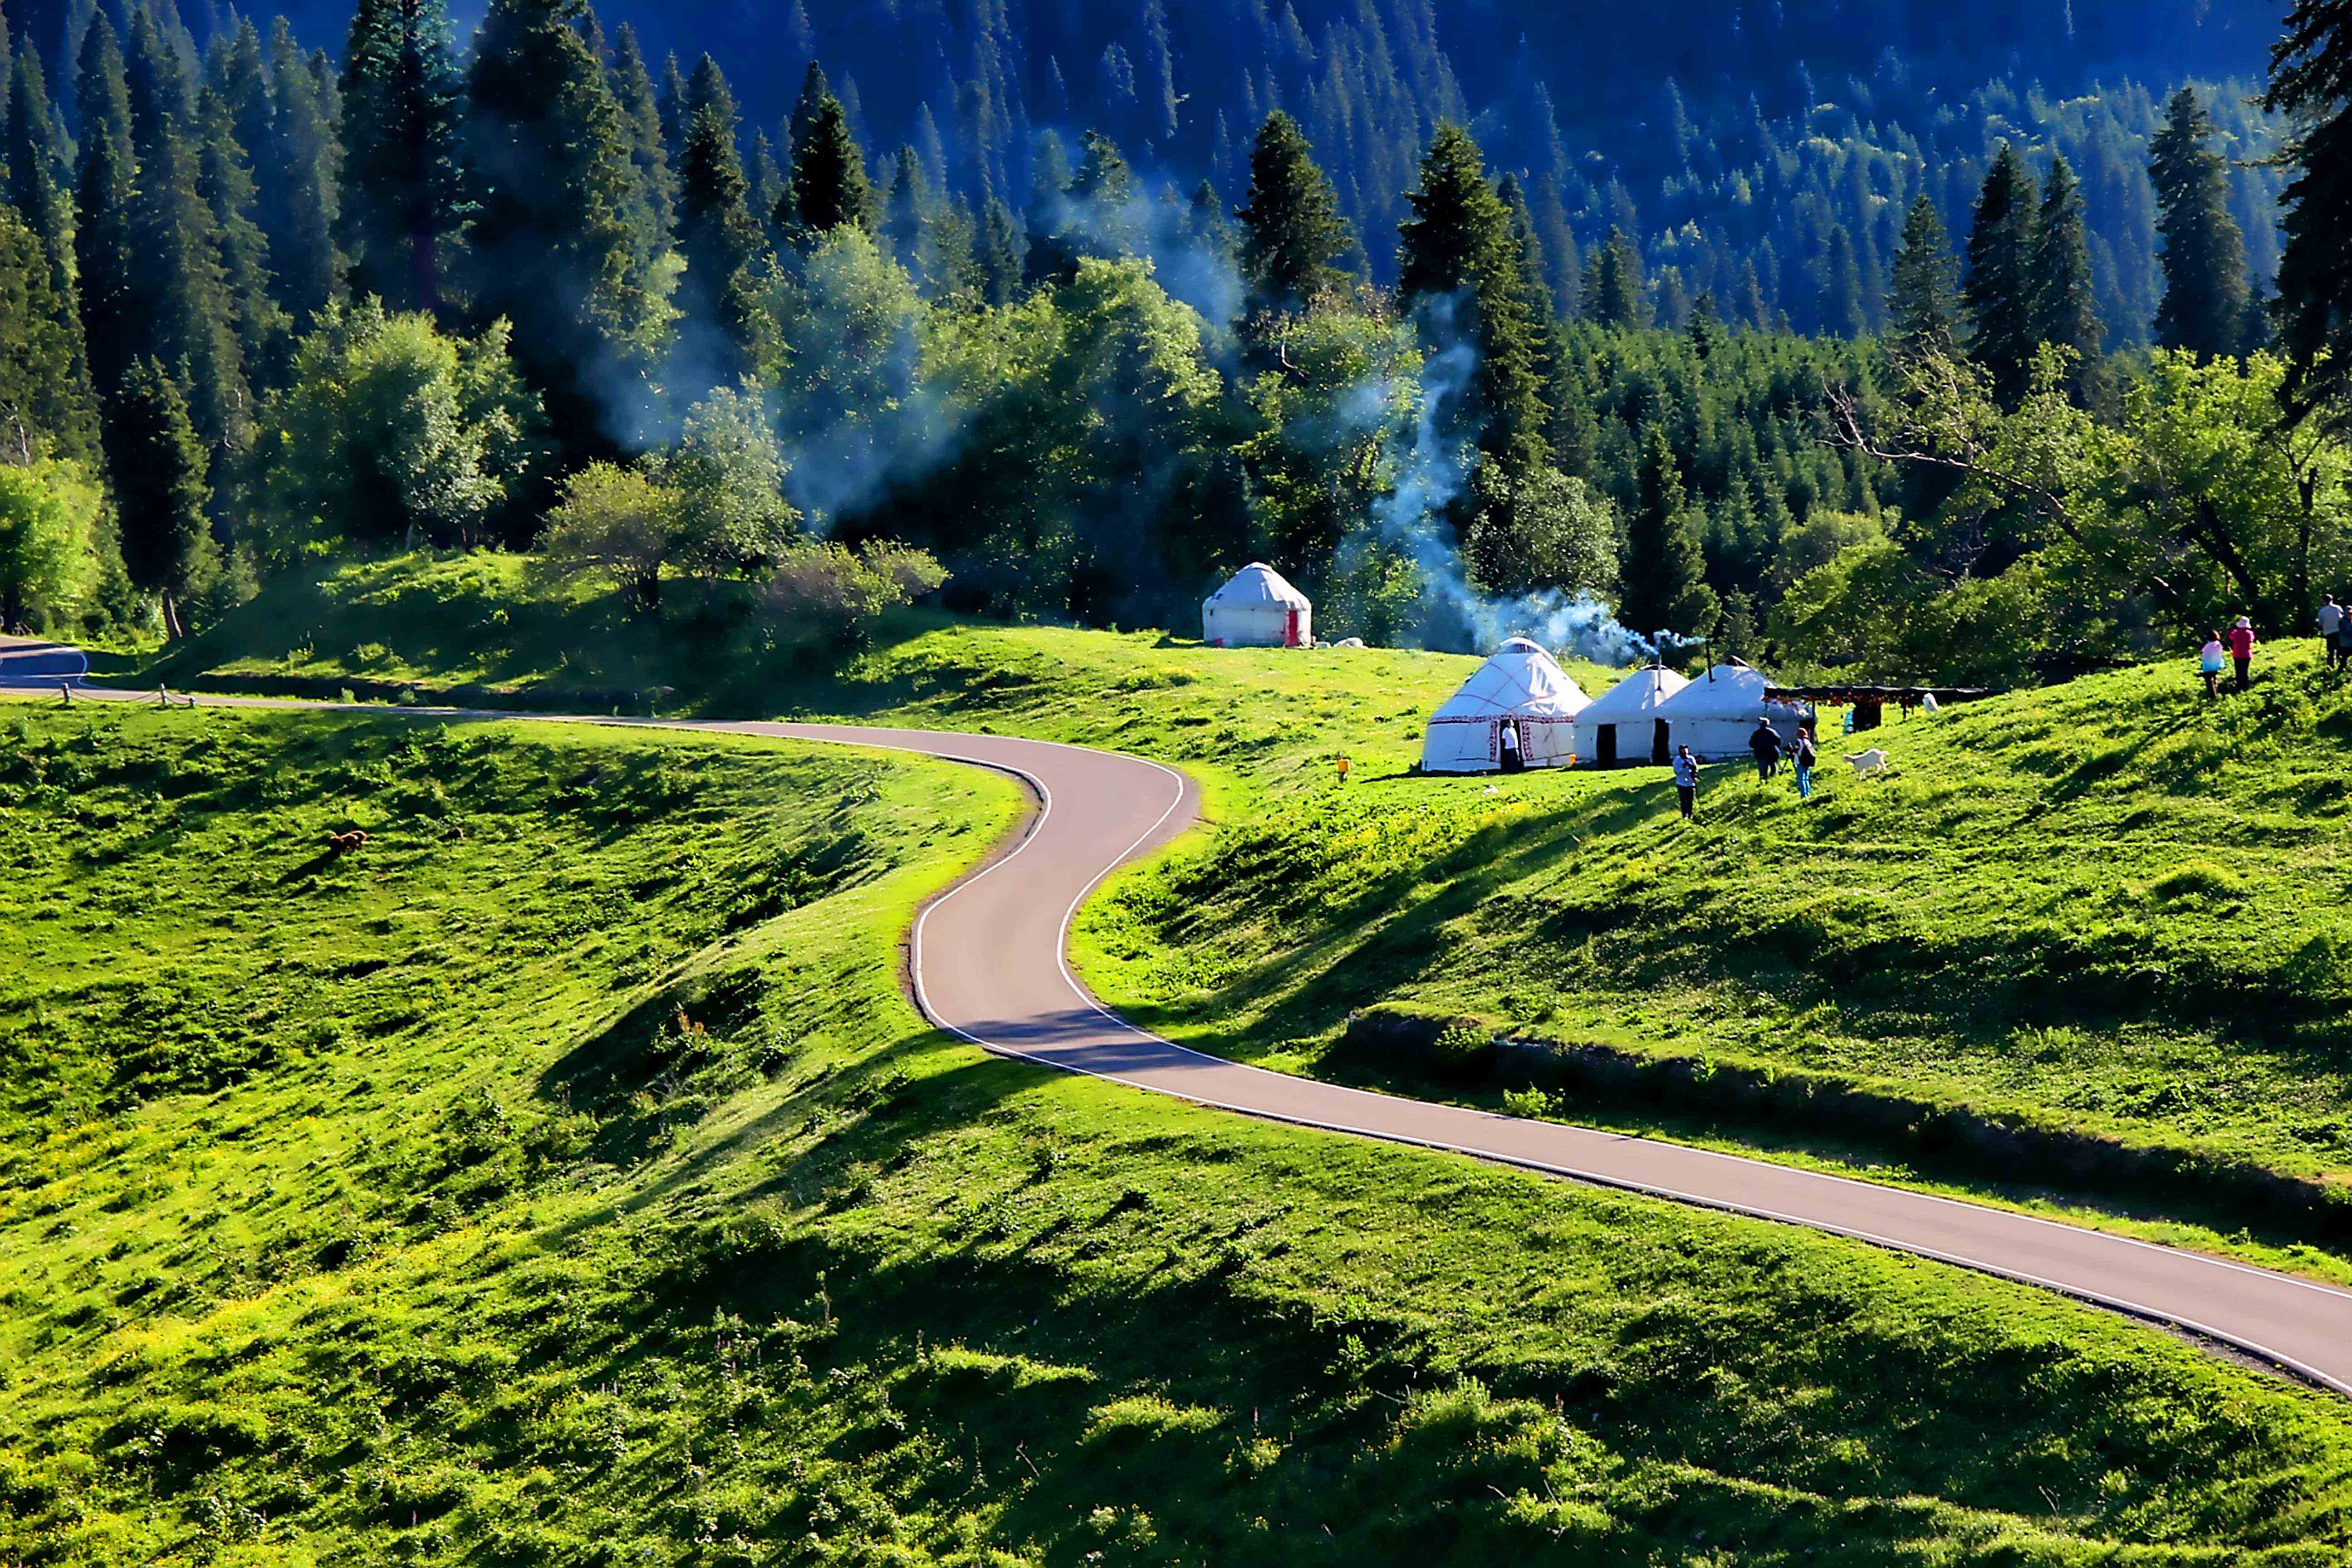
[{"x": 837, "y": 593}]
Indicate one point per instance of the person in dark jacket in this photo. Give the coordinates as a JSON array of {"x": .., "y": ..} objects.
[{"x": 1765, "y": 744}]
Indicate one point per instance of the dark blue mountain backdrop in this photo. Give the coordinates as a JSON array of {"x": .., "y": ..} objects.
[{"x": 1747, "y": 146}]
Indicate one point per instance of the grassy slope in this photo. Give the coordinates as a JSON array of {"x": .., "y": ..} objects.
[
  {"x": 2108, "y": 909},
  {"x": 379, "y": 1209}
]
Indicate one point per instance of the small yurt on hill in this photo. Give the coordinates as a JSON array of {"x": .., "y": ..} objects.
[
  {"x": 1715, "y": 714},
  {"x": 1257, "y": 609},
  {"x": 1622, "y": 723},
  {"x": 1522, "y": 686}
]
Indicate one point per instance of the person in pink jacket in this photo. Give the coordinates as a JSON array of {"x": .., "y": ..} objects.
[{"x": 2241, "y": 650}]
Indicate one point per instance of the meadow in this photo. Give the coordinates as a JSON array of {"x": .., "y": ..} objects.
[
  {"x": 2081, "y": 949},
  {"x": 561, "y": 1178}
]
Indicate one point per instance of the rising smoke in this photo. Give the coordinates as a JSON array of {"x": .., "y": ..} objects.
[{"x": 1456, "y": 615}]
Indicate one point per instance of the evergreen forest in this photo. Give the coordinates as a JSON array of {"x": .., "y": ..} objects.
[{"x": 1825, "y": 340}]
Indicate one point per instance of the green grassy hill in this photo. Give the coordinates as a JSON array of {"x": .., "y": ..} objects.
[
  {"x": 560, "y": 1178},
  {"x": 2085, "y": 942}
]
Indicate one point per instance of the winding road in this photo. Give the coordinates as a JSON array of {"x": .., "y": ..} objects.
[{"x": 989, "y": 964}]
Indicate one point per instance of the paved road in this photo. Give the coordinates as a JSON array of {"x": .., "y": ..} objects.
[{"x": 989, "y": 964}]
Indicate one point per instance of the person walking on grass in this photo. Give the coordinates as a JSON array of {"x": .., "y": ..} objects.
[
  {"x": 2242, "y": 651},
  {"x": 2339, "y": 647},
  {"x": 2208, "y": 663},
  {"x": 1687, "y": 782},
  {"x": 1766, "y": 745},
  {"x": 1802, "y": 758},
  {"x": 2331, "y": 616}
]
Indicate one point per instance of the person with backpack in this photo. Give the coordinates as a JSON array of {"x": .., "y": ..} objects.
[
  {"x": 1802, "y": 758},
  {"x": 2242, "y": 651},
  {"x": 1687, "y": 782},
  {"x": 2339, "y": 647}
]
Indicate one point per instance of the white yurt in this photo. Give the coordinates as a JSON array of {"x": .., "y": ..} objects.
[
  {"x": 1521, "y": 686},
  {"x": 1622, "y": 723},
  {"x": 1257, "y": 609},
  {"x": 1715, "y": 714}
]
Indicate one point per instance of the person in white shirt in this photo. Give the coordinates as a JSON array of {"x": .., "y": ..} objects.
[{"x": 2331, "y": 615}]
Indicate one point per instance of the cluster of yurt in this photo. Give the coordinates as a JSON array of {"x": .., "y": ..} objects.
[
  {"x": 1641, "y": 720},
  {"x": 1521, "y": 690},
  {"x": 1257, "y": 609}
]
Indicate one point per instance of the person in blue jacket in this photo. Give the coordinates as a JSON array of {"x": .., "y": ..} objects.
[{"x": 1686, "y": 781}]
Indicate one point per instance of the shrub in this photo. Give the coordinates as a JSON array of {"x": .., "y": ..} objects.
[{"x": 826, "y": 588}]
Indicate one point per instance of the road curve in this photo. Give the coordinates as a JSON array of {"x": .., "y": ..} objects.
[{"x": 989, "y": 964}]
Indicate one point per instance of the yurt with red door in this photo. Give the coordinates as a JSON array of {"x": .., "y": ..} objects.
[
  {"x": 1522, "y": 687},
  {"x": 1257, "y": 609}
]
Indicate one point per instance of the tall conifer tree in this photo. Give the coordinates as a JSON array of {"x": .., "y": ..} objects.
[
  {"x": 716, "y": 232},
  {"x": 1459, "y": 267},
  {"x": 1844, "y": 313},
  {"x": 1921, "y": 307},
  {"x": 2204, "y": 257},
  {"x": 161, "y": 494},
  {"x": 301, "y": 201},
  {"x": 553, "y": 250},
  {"x": 186, "y": 316},
  {"x": 402, "y": 197},
  {"x": 830, "y": 189},
  {"x": 2311, "y": 81},
  {"x": 2065, "y": 307},
  {"x": 1998, "y": 290},
  {"x": 1663, "y": 572},
  {"x": 1293, "y": 236},
  {"x": 633, "y": 89},
  {"x": 263, "y": 329},
  {"x": 103, "y": 243},
  {"x": 1613, "y": 284},
  {"x": 999, "y": 254}
]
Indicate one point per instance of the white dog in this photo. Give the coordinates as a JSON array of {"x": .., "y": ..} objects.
[{"x": 1867, "y": 763}]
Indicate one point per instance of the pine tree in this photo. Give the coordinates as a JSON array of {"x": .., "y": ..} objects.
[
  {"x": 263, "y": 329},
  {"x": 102, "y": 234},
  {"x": 999, "y": 254},
  {"x": 2204, "y": 257},
  {"x": 633, "y": 89},
  {"x": 947, "y": 266},
  {"x": 769, "y": 186},
  {"x": 716, "y": 232},
  {"x": 1547, "y": 348},
  {"x": 403, "y": 189},
  {"x": 301, "y": 201},
  {"x": 904, "y": 205},
  {"x": 553, "y": 249},
  {"x": 2065, "y": 310},
  {"x": 1613, "y": 284},
  {"x": 829, "y": 187},
  {"x": 1292, "y": 231},
  {"x": 1663, "y": 572},
  {"x": 1998, "y": 290},
  {"x": 1921, "y": 306},
  {"x": 672, "y": 106},
  {"x": 2311, "y": 83},
  {"x": 161, "y": 497},
  {"x": 1460, "y": 269},
  {"x": 45, "y": 395},
  {"x": 1843, "y": 312},
  {"x": 186, "y": 314}
]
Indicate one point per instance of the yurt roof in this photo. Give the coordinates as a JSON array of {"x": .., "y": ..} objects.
[
  {"x": 1520, "y": 679},
  {"x": 1726, "y": 692},
  {"x": 1259, "y": 583},
  {"x": 1636, "y": 696}
]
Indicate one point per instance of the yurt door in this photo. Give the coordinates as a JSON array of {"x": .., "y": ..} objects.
[
  {"x": 1660, "y": 752},
  {"x": 1290, "y": 629},
  {"x": 1607, "y": 744}
]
